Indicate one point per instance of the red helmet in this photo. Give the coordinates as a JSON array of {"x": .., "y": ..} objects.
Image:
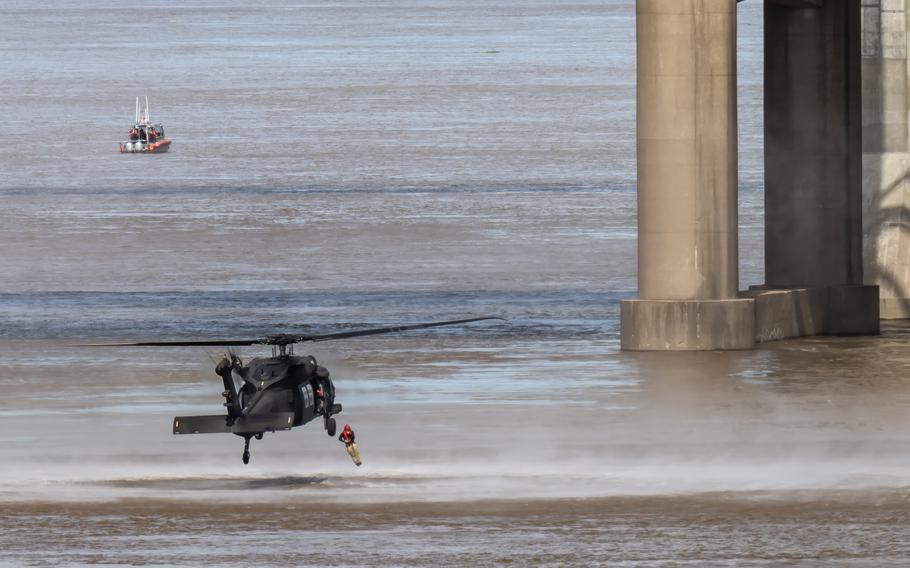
[{"x": 347, "y": 427}]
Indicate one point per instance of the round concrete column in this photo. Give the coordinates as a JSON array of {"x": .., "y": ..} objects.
[
  {"x": 687, "y": 241},
  {"x": 687, "y": 150}
]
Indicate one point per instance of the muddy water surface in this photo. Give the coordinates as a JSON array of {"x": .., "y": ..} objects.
[{"x": 358, "y": 164}]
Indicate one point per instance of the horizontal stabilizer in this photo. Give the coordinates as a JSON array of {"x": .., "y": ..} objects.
[
  {"x": 218, "y": 424},
  {"x": 202, "y": 424}
]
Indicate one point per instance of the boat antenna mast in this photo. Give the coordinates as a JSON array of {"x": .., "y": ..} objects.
[{"x": 142, "y": 114}]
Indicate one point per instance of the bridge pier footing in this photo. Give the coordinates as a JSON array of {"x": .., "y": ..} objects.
[
  {"x": 680, "y": 325},
  {"x": 761, "y": 314},
  {"x": 804, "y": 312}
]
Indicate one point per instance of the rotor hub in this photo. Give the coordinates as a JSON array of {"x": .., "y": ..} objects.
[{"x": 281, "y": 339}]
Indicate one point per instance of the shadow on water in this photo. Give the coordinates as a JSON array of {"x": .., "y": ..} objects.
[{"x": 217, "y": 484}]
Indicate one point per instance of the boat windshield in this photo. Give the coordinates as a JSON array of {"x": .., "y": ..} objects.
[{"x": 146, "y": 133}]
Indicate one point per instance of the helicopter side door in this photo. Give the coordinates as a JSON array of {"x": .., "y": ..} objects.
[{"x": 305, "y": 403}]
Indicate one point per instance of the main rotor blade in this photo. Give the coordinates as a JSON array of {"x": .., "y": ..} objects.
[
  {"x": 286, "y": 338},
  {"x": 217, "y": 342},
  {"x": 380, "y": 330}
]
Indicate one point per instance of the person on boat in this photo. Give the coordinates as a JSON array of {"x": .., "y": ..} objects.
[
  {"x": 134, "y": 134},
  {"x": 152, "y": 136},
  {"x": 347, "y": 438}
]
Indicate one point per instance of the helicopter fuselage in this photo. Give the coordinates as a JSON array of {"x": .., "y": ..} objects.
[
  {"x": 284, "y": 384},
  {"x": 274, "y": 393}
]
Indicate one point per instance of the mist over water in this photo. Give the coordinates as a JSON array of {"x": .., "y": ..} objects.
[{"x": 337, "y": 166}]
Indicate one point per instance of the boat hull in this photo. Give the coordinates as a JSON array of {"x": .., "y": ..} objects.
[{"x": 159, "y": 147}]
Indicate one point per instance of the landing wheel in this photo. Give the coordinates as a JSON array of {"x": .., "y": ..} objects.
[
  {"x": 330, "y": 427},
  {"x": 246, "y": 449}
]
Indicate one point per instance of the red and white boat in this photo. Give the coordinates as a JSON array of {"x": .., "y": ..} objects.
[{"x": 145, "y": 137}]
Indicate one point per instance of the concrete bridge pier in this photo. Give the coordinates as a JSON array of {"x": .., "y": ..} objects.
[
  {"x": 687, "y": 178},
  {"x": 886, "y": 156},
  {"x": 813, "y": 173},
  {"x": 687, "y": 181}
]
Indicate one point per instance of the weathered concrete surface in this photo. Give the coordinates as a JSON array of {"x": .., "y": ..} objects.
[
  {"x": 813, "y": 154},
  {"x": 789, "y": 313},
  {"x": 687, "y": 150},
  {"x": 703, "y": 325},
  {"x": 687, "y": 178},
  {"x": 803, "y": 312},
  {"x": 886, "y": 162},
  {"x": 853, "y": 310},
  {"x": 761, "y": 314}
]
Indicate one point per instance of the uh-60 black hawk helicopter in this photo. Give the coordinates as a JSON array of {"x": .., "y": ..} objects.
[{"x": 277, "y": 392}]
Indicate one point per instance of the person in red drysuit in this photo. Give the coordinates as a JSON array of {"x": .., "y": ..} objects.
[{"x": 347, "y": 438}]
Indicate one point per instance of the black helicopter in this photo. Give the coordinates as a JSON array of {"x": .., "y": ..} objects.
[{"x": 277, "y": 392}]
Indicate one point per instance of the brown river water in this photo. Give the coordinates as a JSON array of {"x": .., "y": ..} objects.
[{"x": 353, "y": 164}]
